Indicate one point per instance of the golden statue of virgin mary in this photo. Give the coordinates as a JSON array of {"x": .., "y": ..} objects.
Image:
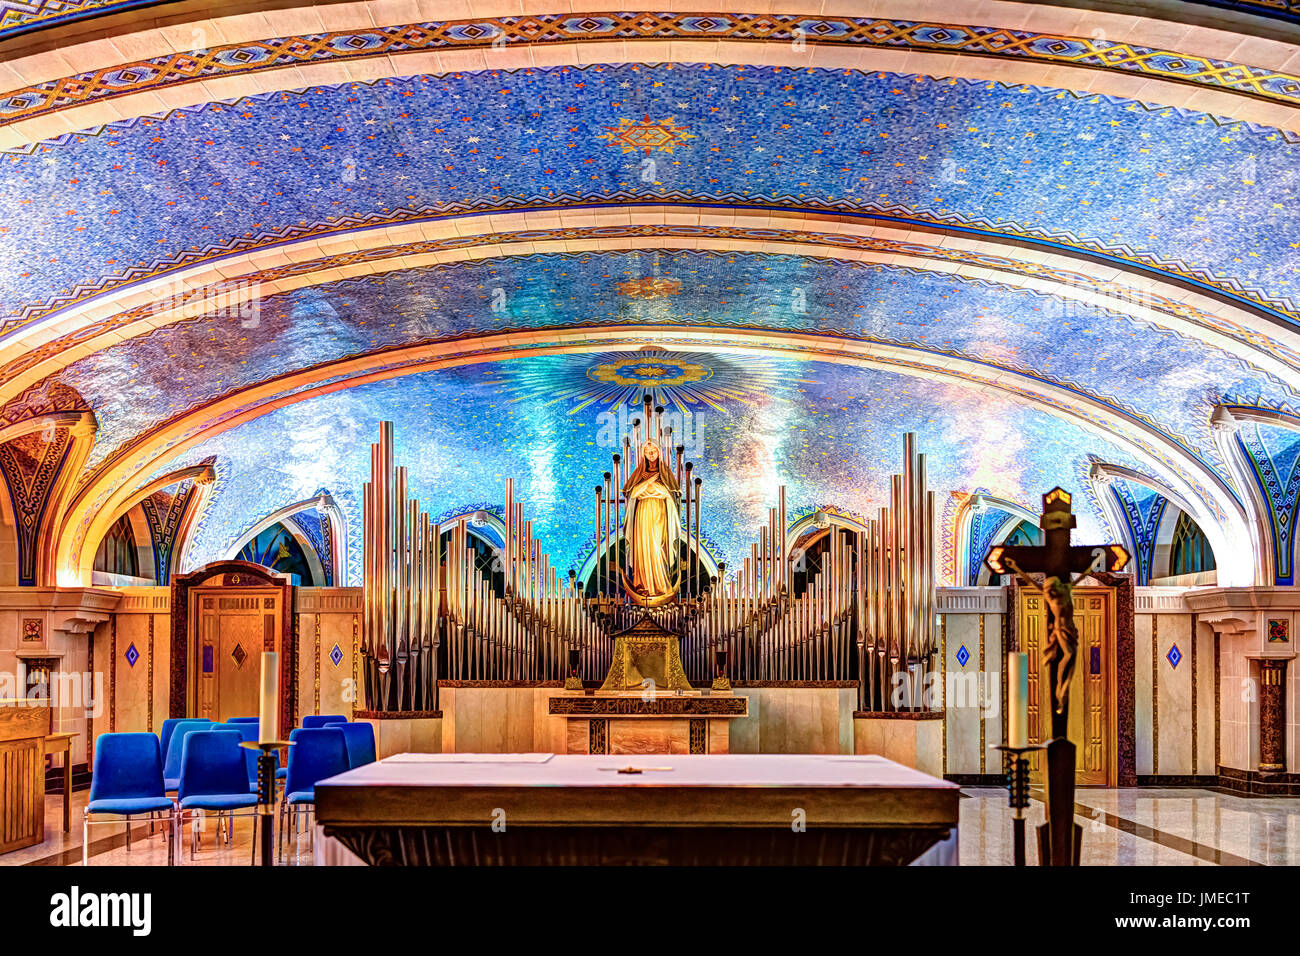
[{"x": 652, "y": 524}]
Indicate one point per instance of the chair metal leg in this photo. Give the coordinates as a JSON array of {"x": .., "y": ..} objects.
[
  {"x": 128, "y": 834},
  {"x": 171, "y": 839},
  {"x": 85, "y": 838}
]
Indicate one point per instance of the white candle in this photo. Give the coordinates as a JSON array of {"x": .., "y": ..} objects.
[
  {"x": 267, "y": 719},
  {"x": 1018, "y": 700}
]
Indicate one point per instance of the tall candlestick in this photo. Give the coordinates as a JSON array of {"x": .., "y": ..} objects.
[
  {"x": 267, "y": 720},
  {"x": 1018, "y": 700}
]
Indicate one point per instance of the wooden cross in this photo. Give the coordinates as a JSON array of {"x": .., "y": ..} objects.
[{"x": 1059, "y": 561}]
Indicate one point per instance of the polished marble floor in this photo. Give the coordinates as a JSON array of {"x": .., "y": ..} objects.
[
  {"x": 108, "y": 843},
  {"x": 1145, "y": 827},
  {"x": 1127, "y": 827}
]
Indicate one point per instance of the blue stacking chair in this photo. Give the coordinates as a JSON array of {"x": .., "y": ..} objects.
[
  {"x": 360, "y": 741},
  {"x": 214, "y": 776},
  {"x": 317, "y": 753},
  {"x": 247, "y": 733},
  {"x": 312, "y": 722},
  {"x": 176, "y": 749},
  {"x": 243, "y": 720},
  {"x": 128, "y": 780},
  {"x": 315, "y": 721},
  {"x": 169, "y": 725}
]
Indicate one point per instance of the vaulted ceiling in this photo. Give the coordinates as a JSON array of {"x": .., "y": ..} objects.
[{"x": 1051, "y": 241}]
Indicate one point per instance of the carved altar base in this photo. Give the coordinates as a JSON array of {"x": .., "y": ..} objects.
[{"x": 663, "y": 723}]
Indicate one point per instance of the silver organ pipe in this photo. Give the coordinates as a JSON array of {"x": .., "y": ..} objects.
[
  {"x": 367, "y": 689},
  {"x": 400, "y": 589}
]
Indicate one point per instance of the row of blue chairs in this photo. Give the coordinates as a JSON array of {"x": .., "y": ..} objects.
[{"x": 203, "y": 763}]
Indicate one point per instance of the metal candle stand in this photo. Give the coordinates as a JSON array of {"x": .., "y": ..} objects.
[
  {"x": 720, "y": 682},
  {"x": 1018, "y": 794},
  {"x": 266, "y": 792},
  {"x": 574, "y": 680}
]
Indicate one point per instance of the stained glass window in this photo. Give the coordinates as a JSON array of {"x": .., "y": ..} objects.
[
  {"x": 277, "y": 549},
  {"x": 116, "y": 553},
  {"x": 1191, "y": 550}
]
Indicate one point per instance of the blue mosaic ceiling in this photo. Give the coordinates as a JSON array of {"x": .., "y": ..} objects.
[
  {"x": 832, "y": 434},
  {"x": 1172, "y": 190}
]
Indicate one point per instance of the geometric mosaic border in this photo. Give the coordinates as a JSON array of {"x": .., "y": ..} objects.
[
  {"x": 17, "y": 16},
  {"x": 1281, "y": 493},
  {"x": 546, "y": 29},
  {"x": 24, "y": 16},
  {"x": 1142, "y": 528},
  {"x": 1277, "y": 9}
]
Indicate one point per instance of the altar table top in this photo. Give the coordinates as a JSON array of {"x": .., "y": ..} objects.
[{"x": 585, "y": 790}]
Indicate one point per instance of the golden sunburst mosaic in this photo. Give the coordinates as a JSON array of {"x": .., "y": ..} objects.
[
  {"x": 684, "y": 381},
  {"x": 650, "y": 372}
]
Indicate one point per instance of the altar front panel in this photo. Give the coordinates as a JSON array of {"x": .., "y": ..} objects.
[{"x": 671, "y": 809}]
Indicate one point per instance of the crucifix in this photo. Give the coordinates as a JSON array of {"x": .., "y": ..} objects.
[{"x": 1059, "y": 561}]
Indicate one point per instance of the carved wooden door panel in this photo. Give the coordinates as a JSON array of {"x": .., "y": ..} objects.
[
  {"x": 1092, "y": 690},
  {"x": 234, "y": 627}
]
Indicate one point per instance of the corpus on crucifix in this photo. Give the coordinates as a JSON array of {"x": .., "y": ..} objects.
[{"x": 1059, "y": 561}]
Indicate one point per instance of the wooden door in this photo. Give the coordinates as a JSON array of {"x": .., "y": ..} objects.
[
  {"x": 234, "y": 627},
  {"x": 1092, "y": 691}
]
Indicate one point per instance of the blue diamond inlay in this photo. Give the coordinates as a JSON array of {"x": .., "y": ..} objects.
[
  {"x": 1174, "y": 655},
  {"x": 963, "y": 655},
  {"x": 336, "y": 655},
  {"x": 132, "y": 655}
]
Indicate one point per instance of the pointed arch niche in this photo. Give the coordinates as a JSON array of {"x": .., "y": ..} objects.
[
  {"x": 159, "y": 519},
  {"x": 1157, "y": 527},
  {"x": 314, "y": 529},
  {"x": 981, "y": 521},
  {"x": 809, "y": 540}
]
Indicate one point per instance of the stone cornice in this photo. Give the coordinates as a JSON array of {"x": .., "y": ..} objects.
[
  {"x": 1229, "y": 601},
  {"x": 94, "y": 599}
]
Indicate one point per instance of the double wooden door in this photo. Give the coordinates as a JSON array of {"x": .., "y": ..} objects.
[
  {"x": 1092, "y": 691},
  {"x": 233, "y": 627}
]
